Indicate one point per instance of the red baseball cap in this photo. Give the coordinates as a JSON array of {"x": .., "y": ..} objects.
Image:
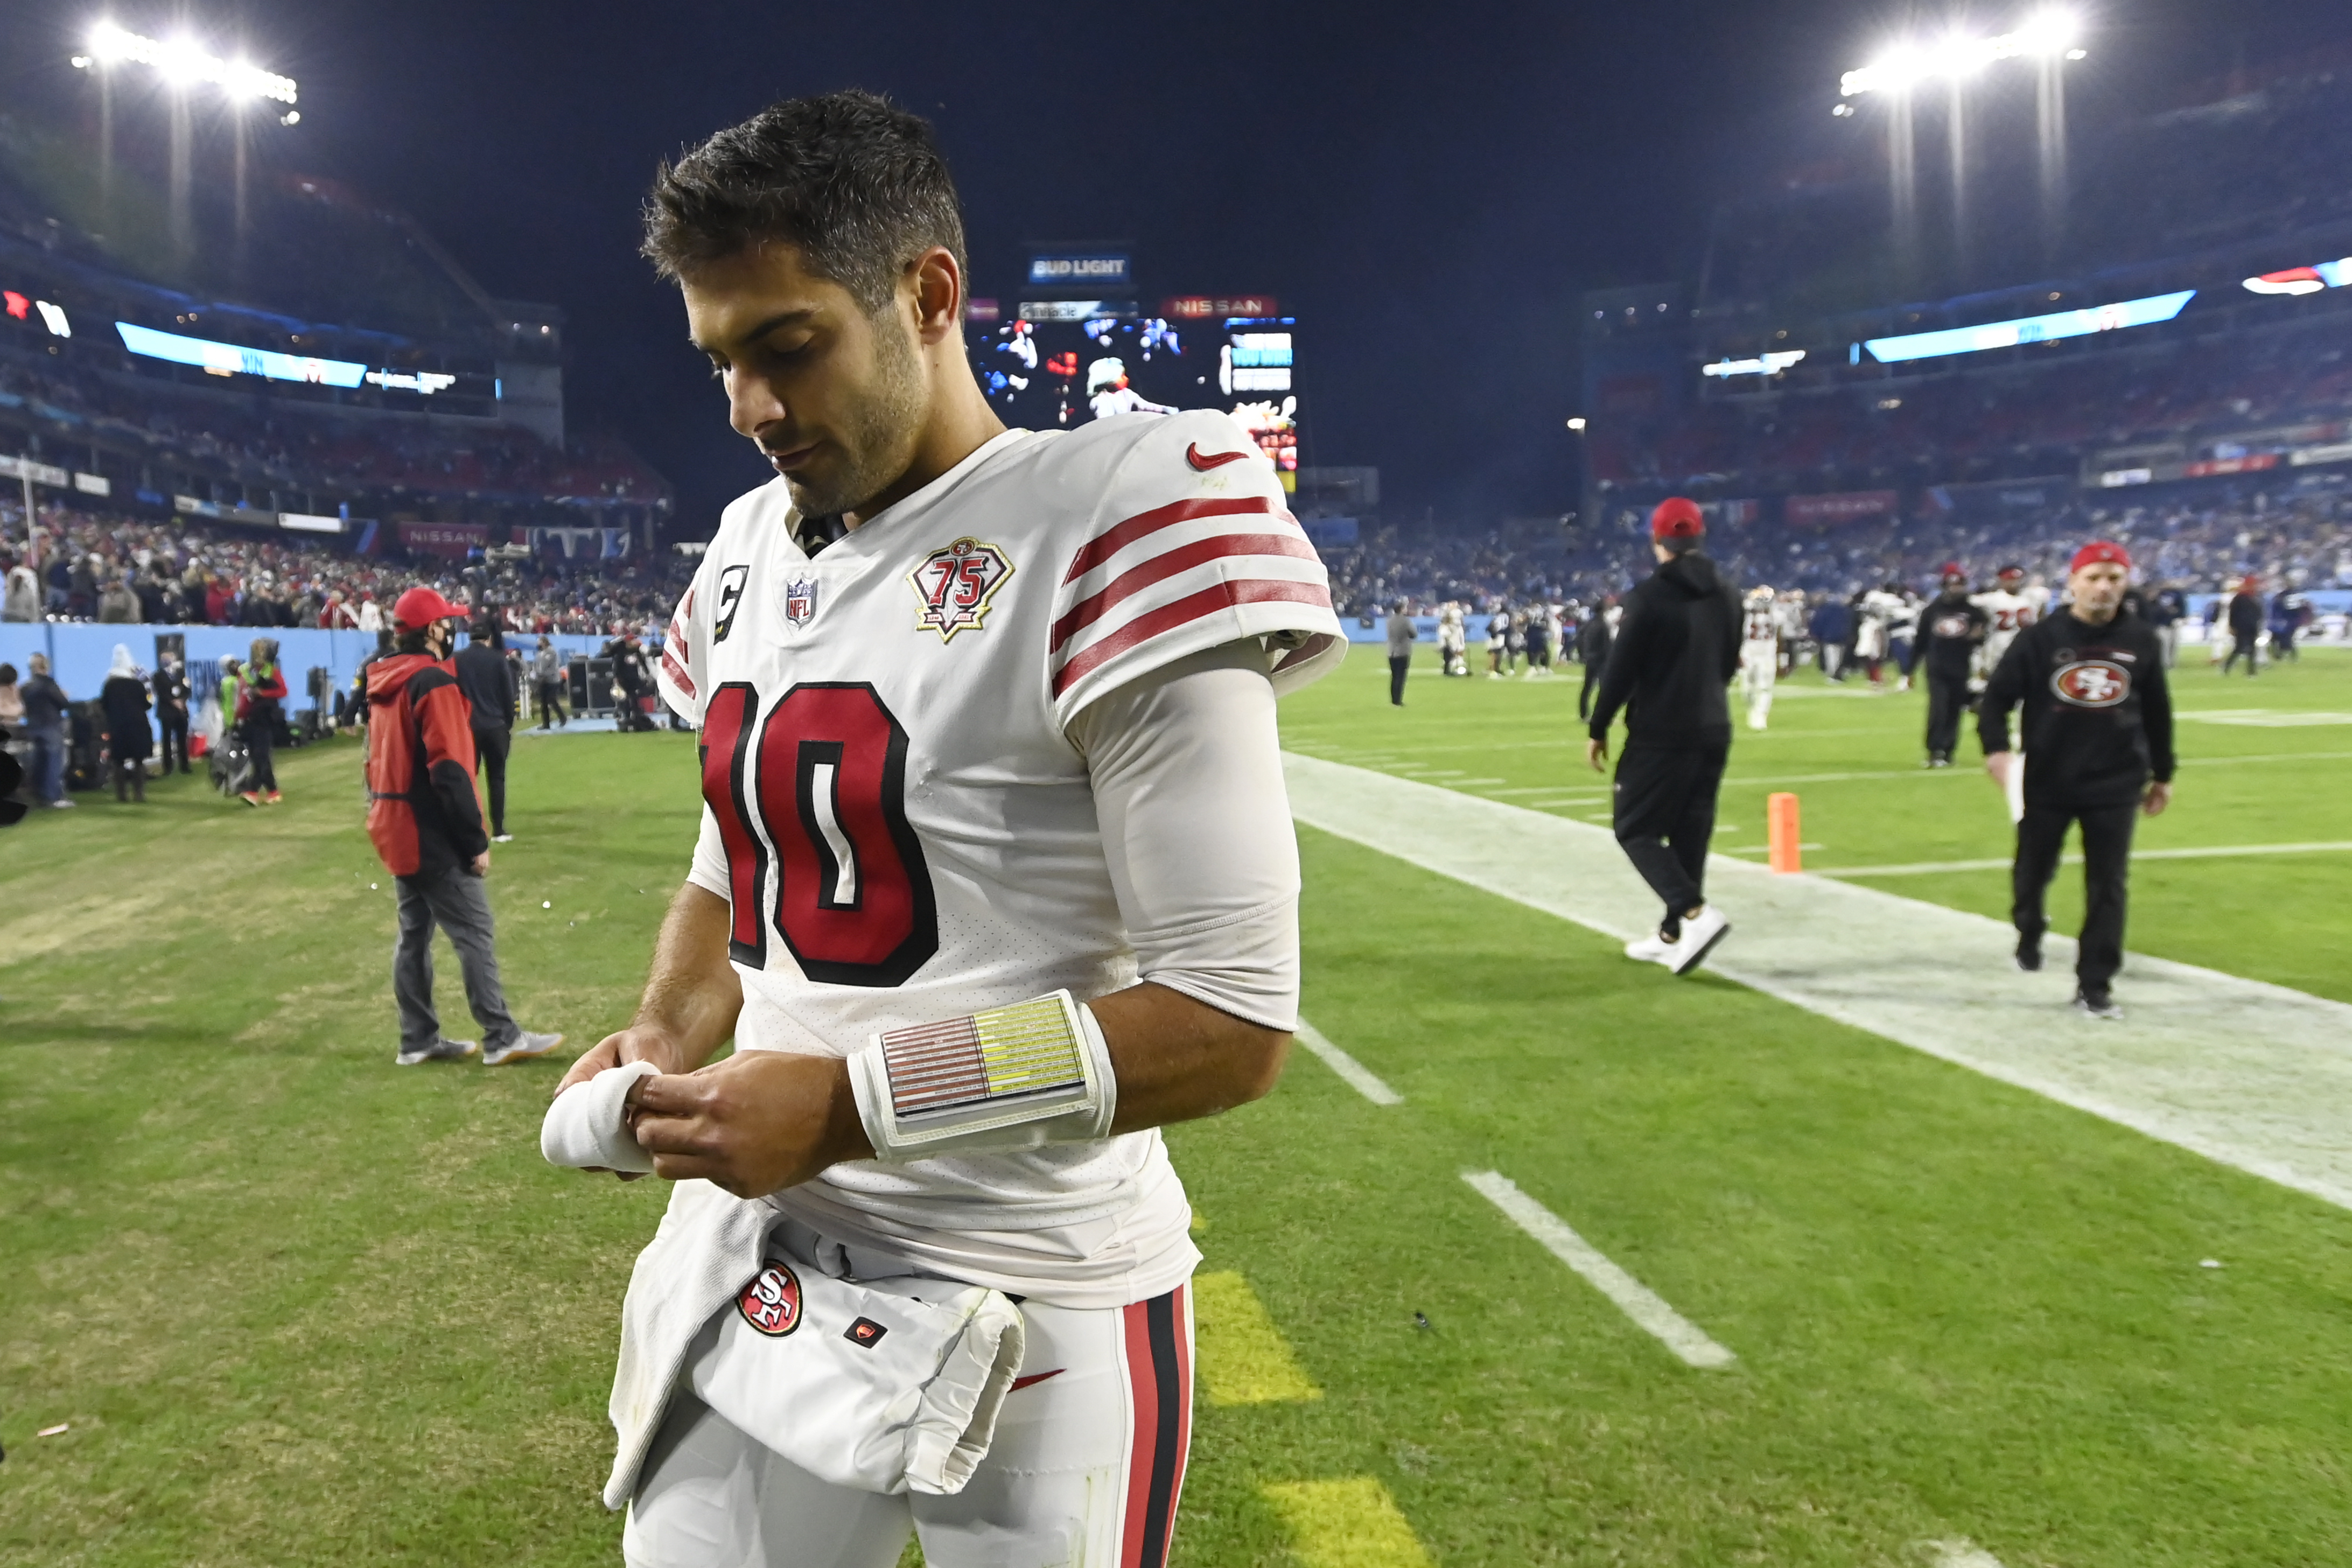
[
  {"x": 1677, "y": 517},
  {"x": 2101, "y": 551},
  {"x": 1952, "y": 570},
  {"x": 420, "y": 608}
]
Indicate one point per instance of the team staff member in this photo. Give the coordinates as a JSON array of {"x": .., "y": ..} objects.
[
  {"x": 1955, "y": 626},
  {"x": 487, "y": 681},
  {"x": 1593, "y": 640},
  {"x": 1401, "y": 633},
  {"x": 1677, "y": 648},
  {"x": 2245, "y": 620},
  {"x": 260, "y": 697},
  {"x": 427, "y": 827},
  {"x": 2098, "y": 726}
]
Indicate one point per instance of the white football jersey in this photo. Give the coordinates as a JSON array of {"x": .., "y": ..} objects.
[
  {"x": 902, "y": 828},
  {"x": 2007, "y": 615},
  {"x": 1759, "y": 624}
]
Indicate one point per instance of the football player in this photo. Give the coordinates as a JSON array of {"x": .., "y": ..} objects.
[
  {"x": 1759, "y": 655},
  {"x": 2008, "y": 611},
  {"x": 996, "y": 874}
]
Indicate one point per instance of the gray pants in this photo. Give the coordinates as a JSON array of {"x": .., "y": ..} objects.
[{"x": 458, "y": 902}]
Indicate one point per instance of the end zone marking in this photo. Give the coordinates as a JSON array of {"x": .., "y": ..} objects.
[
  {"x": 1635, "y": 1299},
  {"x": 1358, "y": 1077},
  {"x": 1350, "y": 1523}
]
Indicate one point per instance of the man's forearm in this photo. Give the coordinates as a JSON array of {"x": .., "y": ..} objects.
[
  {"x": 693, "y": 994},
  {"x": 1178, "y": 1059}
]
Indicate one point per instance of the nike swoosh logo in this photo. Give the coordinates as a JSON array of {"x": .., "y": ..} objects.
[
  {"x": 1020, "y": 1382},
  {"x": 1206, "y": 461}
]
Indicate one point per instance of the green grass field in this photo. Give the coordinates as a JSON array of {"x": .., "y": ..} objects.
[{"x": 299, "y": 1307}]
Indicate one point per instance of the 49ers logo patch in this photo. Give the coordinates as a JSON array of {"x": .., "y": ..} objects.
[
  {"x": 2092, "y": 683},
  {"x": 771, "y": 1301},
  {"x": 956, "y": 583}
]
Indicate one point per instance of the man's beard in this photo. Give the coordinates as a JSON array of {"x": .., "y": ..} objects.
[{"x": 879, "y": 434}]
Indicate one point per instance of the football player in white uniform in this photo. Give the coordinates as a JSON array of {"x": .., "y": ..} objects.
[
  {"x": 996, "y": 877},
  {"x": 1759, "y": 655},
  {"x": 2009, "y": 609}
]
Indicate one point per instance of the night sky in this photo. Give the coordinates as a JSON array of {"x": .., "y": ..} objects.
[{"x": 1428, "y": 189}]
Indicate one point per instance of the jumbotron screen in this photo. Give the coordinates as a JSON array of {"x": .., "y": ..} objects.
[{"x": 1058, "y": 374}]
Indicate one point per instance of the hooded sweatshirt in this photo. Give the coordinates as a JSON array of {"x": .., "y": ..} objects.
[
  {"x": 423, "y": 814},
  {"x": 1676, "y": 648}
]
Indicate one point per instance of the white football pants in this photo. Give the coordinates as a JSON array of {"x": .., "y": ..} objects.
[
  {"x": 1758, "y": 666},
  {"x": 1086, "y": 1466}
]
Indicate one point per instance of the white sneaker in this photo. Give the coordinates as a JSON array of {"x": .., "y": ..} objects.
[
  {"x": 523, "y": 1047},
  {"x": 1651, "y": 948},
  {"x": 1701, "y": 931},
  {"x": 501, "y": 837}
]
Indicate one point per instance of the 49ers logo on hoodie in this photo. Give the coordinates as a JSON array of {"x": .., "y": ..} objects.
[{"x": 2091, "y": 683}]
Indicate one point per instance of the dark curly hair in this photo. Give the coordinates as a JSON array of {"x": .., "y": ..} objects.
[{"x": 857, "y": 184}]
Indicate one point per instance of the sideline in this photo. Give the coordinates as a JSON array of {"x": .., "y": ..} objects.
[
  {"x": 1358, "y": 1077},
  {"x": 2207, "y": 852},
  {"x": 2254, "y": 1076}
]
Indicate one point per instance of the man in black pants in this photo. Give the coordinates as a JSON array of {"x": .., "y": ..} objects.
[
  {"x": 1593, "y": 639},
  {"x": 489, "y": 683},
  {"x": 1950, "y": 628},
  {"x": 2098, "y": 730},
  {"x": 2245, "y": 613},
  {"x": 172, "y": 711},
  {"x": 1676, "y": 649},
  {"x": 1400, "y": 634}
]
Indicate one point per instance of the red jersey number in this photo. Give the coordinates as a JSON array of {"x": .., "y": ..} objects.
[{"x": 854, "y": 901}]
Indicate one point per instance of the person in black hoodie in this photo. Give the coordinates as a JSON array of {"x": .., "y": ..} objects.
[
  {"x": 1593, "y": 639},
  {"x": 1952, "y": 627},
  {"x": 488, "y": 681},
  {"x": 2098, "y": 728},
  {"x": 1677, "y": 650}
]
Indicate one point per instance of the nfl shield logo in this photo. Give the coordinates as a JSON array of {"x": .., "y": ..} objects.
[{"x": 800, "y": 601}]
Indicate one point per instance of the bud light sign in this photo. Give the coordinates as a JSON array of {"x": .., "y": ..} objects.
[{"x": 1088, "y": 269}]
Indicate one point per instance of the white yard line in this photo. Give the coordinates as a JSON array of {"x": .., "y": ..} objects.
[
  {"x": 1358, "y": 1077},
  {"x": 1635, "y": 1299},
  {"x": 2258, "y": 1077},
  {"x": 2204, "y": 852}
]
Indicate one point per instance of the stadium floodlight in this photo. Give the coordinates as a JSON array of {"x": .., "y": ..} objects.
[
  {"x": 184, "y": 62},
  {"x": 2048, "y": 36}
]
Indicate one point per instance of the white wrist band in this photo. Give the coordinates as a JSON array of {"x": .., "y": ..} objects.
[{"x": 1034, "y": 1073}]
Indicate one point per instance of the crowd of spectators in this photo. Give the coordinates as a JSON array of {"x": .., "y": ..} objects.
[
  {"x": 202, "y": 431},
  {"x": 2197, "y": 538},
  {"x": 111, "y": 568},
  {"x": 1988, "y": 424}
]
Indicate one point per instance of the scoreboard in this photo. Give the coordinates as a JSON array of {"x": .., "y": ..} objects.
[{"x": 1060, "y": 363}]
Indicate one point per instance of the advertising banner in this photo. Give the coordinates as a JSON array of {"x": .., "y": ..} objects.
[
  {"x": 1837, "y": 508},
  {"x": 1080, "y": 269},
  {"x": 1213, "y": 307},
  {"x": 442, "y": 538}
]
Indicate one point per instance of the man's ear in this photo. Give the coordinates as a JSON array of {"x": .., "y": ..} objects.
[{"x": 938, "y": 294}]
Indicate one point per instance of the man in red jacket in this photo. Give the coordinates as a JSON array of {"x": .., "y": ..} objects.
[{"x": 426, "y": 824}]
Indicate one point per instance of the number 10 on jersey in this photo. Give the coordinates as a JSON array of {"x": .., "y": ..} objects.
[{"x": 817, "y": 788}]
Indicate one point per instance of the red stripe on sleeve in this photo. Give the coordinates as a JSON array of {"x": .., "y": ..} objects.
[
  {"x": 1192, "y": 607},
  {"x": 1104, "y": 546},
  {"x": 1159, "y": 568},
  {"x": 677, "y": 673}
]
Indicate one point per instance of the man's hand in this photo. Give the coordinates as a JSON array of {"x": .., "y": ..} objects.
[
  {"x": 754, "y": 1124},
  {"x": 2159, "y": 795},
  {"x": 1997, "y": 766},
  {"x": 480, "y": 864},
  {"x": 638, "y": 1043},
  {"x": 1597, "y": 754}
]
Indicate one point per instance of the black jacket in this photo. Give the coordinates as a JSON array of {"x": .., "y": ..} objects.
[
  {"x": 2098, "y": 714},
  {"x": 2245, "y": 612},
  {"x": 1593, "y": 639},
  {"x": 488, "y": 681},
  {"x": 1953, "y": 626},
  {"x": 1676, "y": 648}
]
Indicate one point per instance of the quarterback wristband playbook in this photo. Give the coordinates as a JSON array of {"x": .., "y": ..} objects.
[{"x": 1034, "y": 1073}]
